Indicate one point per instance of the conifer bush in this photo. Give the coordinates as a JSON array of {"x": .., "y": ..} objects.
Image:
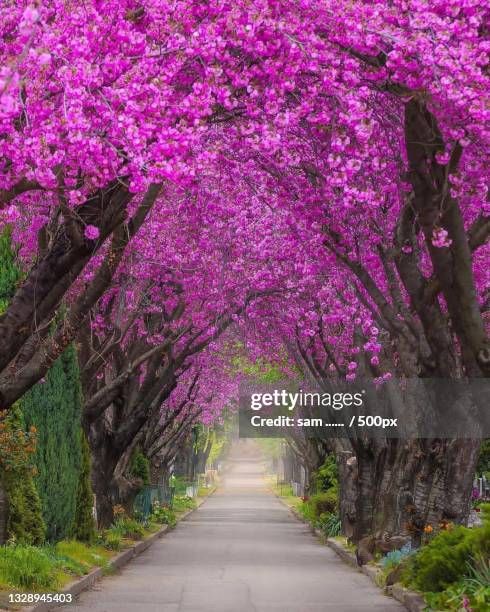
[
  {"x": 84, "y": 523},
  {"x": 25, "y": 524},
  {"x": 446, "y": 558},
  {"x": 53, "y": 406}
]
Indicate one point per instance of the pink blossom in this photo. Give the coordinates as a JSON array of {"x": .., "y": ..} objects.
[
  {"x": 440, "y": 238},
  {"x": 92, "y": 232}
]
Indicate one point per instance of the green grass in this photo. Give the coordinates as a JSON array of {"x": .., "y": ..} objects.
[
  {"x": 112, "y": 539},
  {"x": 152, "y": 527},
  {"x": 130, "y": 528},
  {"x": 28, "y": 567},
  {"x": 183, "y": 503},
  {"x": 86, "y": 556},
  {"x": 204, "y": 491},
  {"x": 44, "y": 568}
]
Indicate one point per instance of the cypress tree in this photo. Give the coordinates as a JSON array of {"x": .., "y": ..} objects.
[
  {"x": 84, "y": 524},
  {"x": 54, "y": 408},
  {"x": 25, "y": 524},
  {"x": 24, "y": 519}
]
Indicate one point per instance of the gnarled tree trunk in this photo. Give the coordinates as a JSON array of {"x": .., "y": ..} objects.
[{"x": 406, "y": 485}]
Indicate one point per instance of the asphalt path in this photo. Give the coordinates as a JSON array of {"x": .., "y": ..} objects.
[{"x": 242, "y": 551}]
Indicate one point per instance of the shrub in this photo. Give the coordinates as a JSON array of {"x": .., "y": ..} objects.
[
  {"x": 440, "y": 562},
  {"x": 327, "y": 475},
  {"x": 84, "y": 523},
  {"x": 470, "y": 593},
  {"x": 330, "y": 524},
  {"x": 112, "y": 539},
  {"x": 25, "y": 524},
  {"x": 323, "y": 503},
  {"x": 182, "y": 503},
  {"x": 119, "y": 512},
  {"x": 163, "y": 515},
  {"x": 54, "y": 408},
  {"x": 445, "y": 559},
  {"x": 140, "y": 467},
  {"x": 484, "y": 458}
]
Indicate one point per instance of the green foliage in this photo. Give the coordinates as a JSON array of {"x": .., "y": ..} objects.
[
  {"x": 112, "y": 538},
  {"x": 54, "y": 408},
  {"x": 395, "y": 557},
  {"x": 10, "y": 274},
  {"x": 330, "y": 524},
  {"x": 327, "y": 476},
  {"x": 323, "y": 503},
  {"x": 182, "y": 503},
  {"x": 219, "y": 443},
  {"x": 123, "y": 527},
  {"x": 470, "y": 593},
  {"x": 261, "y": 370},
  {"x": 129, "y": 528},
  {"x": 140, "y": 467},
  {"x": 27, "y": 567},
  {"x": 79, "y": 557},
  {"x": 440, "y": 562},
  {"x": 480, "y": 571},
  {"x": 484, "y": 459},
  {"x": 84, "y": 523},
  {"x": 16, "y": 445},
  {"x": 25, "y": 523},
  {"x": 319, "y": 505},
  {"x": 445, "y": 559},
  {"x": 163, "y": 515},
  {"x": 38, "y": 568},
  {"x": 180, "y": 485}
]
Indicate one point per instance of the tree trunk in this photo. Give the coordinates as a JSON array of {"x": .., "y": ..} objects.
[
  {"x": 111, "y": 485},
  {"x": 102, "y": 476},
  {"x": 405, "y": 485},
  {"x": 348, "y": 479}
]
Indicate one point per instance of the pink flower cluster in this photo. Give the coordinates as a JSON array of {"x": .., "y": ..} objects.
[{"x": 277, "y": 131}]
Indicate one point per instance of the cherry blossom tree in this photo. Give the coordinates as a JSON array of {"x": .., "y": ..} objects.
[{"x": 309, "y": 177}]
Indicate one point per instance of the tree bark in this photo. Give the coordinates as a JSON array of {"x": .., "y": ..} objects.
[{"x": 405, "y": 485}]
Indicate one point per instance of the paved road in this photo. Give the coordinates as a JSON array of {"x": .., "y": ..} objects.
[{"x": 242, "y": 551}]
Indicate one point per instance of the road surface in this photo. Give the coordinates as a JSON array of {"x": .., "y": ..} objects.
[{"x": 242, "y": 551}]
